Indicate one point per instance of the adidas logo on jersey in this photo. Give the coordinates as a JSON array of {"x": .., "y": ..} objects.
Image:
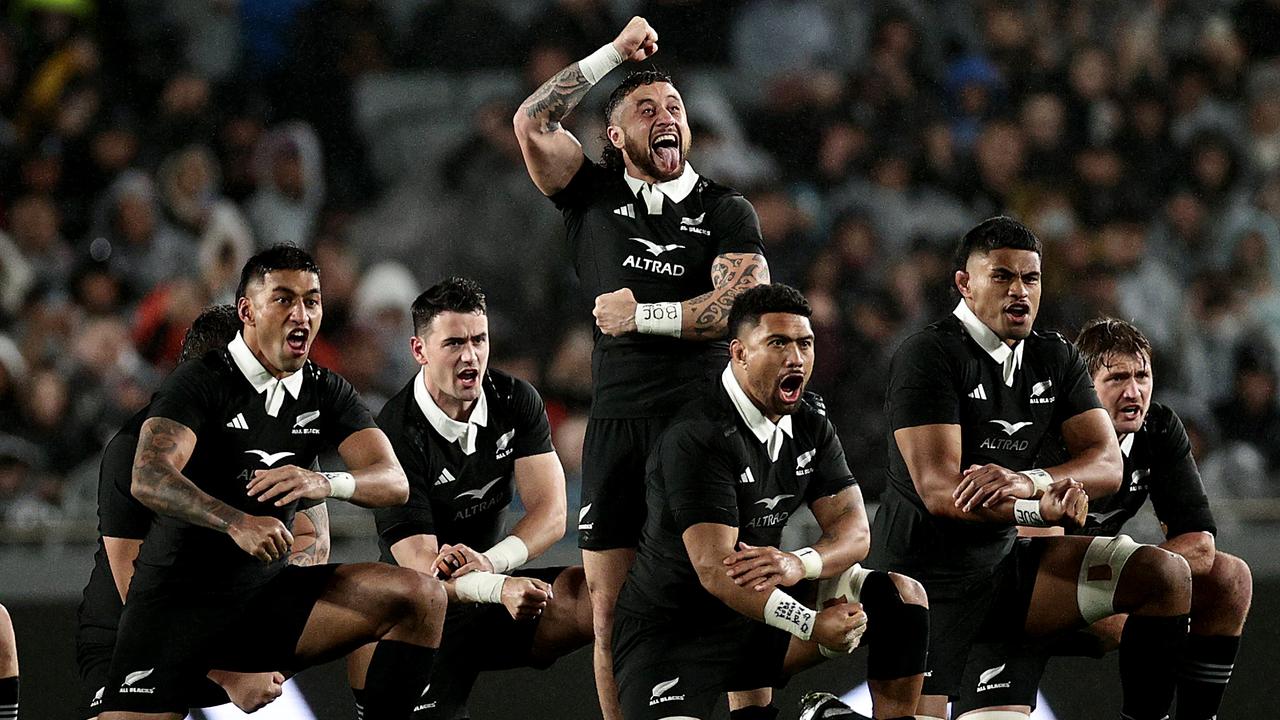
[
  {"x": 445, "y": 477},
  {"x": 238, "y": 423},
  {"x": 627, "y": 210},
  {"x": 745, "y": 477},
  {"x": 978, "y": 393}
]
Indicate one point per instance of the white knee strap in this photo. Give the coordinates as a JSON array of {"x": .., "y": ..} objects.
[
  {"x": 1096, "y": 598},
  {"x": 846, "y": 587},
  {"x": 995, "y": 715}
]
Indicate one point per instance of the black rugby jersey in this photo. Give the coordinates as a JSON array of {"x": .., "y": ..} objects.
[
  {"x": 236, "y": 436},
  {"x": 942, "y": 375},
  {"x": 1157, "y": 464},
  {"x": 120, "y": 515},
  {"x": 710, "y": 467},
  {"x": 616, "y": 243},
  {"x": 460, "y": 497}
]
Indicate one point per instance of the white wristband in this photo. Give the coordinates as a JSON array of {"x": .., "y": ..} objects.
[
  {"x": 786, "y": 613},
  {"x": 811, "y": 560},
  {"x": 342, "y": 485},
  {"x": 508, "y": 553},
  {"x": 660, "y": 318},
  {"x": 479, "y": 587},
  {"x": 598, "y": 64},
  {"x": 1027, "y": 512},
  {"x": 1041, "y": 479}
]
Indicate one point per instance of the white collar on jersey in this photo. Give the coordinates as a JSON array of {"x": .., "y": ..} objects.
[
  {"x": 263, "y": 381},
  {"x": 677, "y": 189},
  {"x": 764, "y": 429},
  {"x": 1126, "y": 444},
  {"x": 463, "y": 433},
  {"x": 1010, "y": 358}
]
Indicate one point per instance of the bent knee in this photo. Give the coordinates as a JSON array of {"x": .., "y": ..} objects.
[
  {"x": 910, "y": 590},
  {"x": 1227, "y": 585},
  {"x": 1165, "y": 576}
]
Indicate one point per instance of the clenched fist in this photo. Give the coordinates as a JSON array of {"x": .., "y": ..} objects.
[{"x": 637, "y": 41}]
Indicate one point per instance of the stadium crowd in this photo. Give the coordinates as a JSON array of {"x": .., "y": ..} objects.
[{"x": 147, "y": 148}]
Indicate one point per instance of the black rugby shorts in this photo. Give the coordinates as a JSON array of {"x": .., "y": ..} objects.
[{"x": 614, "y": 454}]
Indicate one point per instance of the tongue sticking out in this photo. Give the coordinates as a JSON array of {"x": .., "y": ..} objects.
[{"x": 667, "y": 158}]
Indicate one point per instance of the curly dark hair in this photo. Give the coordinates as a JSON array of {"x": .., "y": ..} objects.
[
  {"x": 610, "y": 156},
  {"x": 216, "y": 326},
  {"x": 453, "y": 294},
  {"x": 1103, "y": 338}
]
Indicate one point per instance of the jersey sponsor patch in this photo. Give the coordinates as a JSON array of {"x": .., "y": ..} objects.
[
  {"x": 1011, "y": 428},
  {"x": 655, "y": 249},
  {"x": 267, "y": 458}
]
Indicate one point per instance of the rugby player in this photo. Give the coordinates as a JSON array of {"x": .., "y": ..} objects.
[
  {"x": 8, "y": 668},
  {"x": 469, "y": 439},
  {"x": 971, "y": 399},
  {"x": 122, "y": 526},
  {"x": 1158, "y": 465},
  {"x": 664, "y": 251},
  {"x": 703, "y": 610},
  {"x": 222, "y": 461}
]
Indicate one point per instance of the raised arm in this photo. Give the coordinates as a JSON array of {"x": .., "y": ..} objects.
[
  {"x": 164, "y": 447},
  {"x": 551, "y": 153}
]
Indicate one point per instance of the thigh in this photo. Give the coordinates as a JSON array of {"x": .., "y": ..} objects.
[
  {"x": 661, "y": 675},
  {"x": 1055, "y": 604},
  {"x": 1000, "y": 675},
  {"x": 94, "y": 646},
  {"x": 614, "y": 453},
  {"x": 955, "y": 620},
  {"x": 267, "y": 636}
]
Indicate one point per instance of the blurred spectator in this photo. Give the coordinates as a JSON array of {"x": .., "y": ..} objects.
[
  {"x": 291, "y": 186},
  {"x": 133, "y": 238},
  {"x": 34, "y": 221},
  {"x": 1251, "y": 414}
]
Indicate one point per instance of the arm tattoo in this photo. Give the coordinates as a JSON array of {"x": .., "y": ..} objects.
[
  {"x": 159, "y": 485},
  {"x": 312, "y": 550},
  {"x": 730, "y": 275},
  {"x": 557, "y": 98}
]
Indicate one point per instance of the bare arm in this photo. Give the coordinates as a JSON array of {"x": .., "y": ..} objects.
[
  {"x": 164, "y": 447},
  {"x": 705, "y": 317},
  {"x": 1197, "y": 547},
  {"x": 551, "y": 153},
  {"x": 540, "y": 482},
  {"x": 846, "y": 536},
  {"x": 1096, "y": 462},
  {"x": 121, "y": 552},
  {"x": 310, "y": 536},
  {"x": 380, "y": 481},
  {"x": 523, "y": 597},
  {"x": 708, "y": 544}
]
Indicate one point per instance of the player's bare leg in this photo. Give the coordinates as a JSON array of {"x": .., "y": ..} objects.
[
  {"x": 605, "y": 571},
  {"x": 567, "y": 623},
  {"x": 8, "y": 667}
]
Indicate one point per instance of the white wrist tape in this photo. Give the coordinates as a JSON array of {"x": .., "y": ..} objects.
[
  {"x": 342, "y": 485},
  {"x": 508, "y": 554},
  {"x": 1027, "y": 512},
  {"x": 598, "y": 64},
  {"x": 480, "y": 587},
  {"x": 661, "y": 318},
  {"x": 1041, "y": 479},
  {"x": 786, "y": 613},
  {"x": 811, "y": 560}
]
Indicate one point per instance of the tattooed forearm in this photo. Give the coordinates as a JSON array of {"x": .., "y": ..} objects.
[
  {"x": 707, "y": 315},
  {"x": 311, "y": 547},
  {"x": 556, "y": 98},
  {"x": 163, "y": 447}
]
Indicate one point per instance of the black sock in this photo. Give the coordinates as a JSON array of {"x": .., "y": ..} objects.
[
  {"x": 358, "y": 694},
  {"x": 397, "y": 678},
  {"x": 1203, "y": 675},
  {"x": 1149, "y": 652},
  {"x": 9, "y": 698},
  {"x": 754, "y": 712}
]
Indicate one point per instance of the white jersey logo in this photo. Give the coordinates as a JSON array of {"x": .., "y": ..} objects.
[
  {"x": 745, "y": 476},
  {"x": 655, "y": 249},
  {"x": 504, "y": 440},
  {"x": 978, "y": 393},
  {"x": 804, "y": 459},
  {"x": 445, "y": 477},
  {"x": 135, "y": 676},
  {"x": 238, "y": 423},
  {"x": 771, "y": 503},
  {"x": 269, "y": 459},
  {"x": 1011, "y": 428},
  {"x": 1041, "y": 388},
  {"x": 582, "y": 514},
  {"x": 306, "y": 418},
  {"x": 989, "y": 673},
  {"x": 695, "y": 222},
  {"x": 662, "y": 687},
  {"x": 478, "y": 493},
  {"x": 626, "y": 211}
]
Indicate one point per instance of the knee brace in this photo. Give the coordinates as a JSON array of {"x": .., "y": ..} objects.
[
  {"x": 1096, "y": 596},
  {"x": 897, "y": 631}
]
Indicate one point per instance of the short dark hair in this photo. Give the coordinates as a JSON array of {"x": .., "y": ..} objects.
[
  {"x": 611, "y": 156},
  {"x": 214, "y": 328},
  {"x": 762, "y": 299},
  {"x": 1102, "y": 338},
  {"x": 277, "y": 257},
  {"x": 993, "y": 234},
  {"x": 453, "y": 294}
]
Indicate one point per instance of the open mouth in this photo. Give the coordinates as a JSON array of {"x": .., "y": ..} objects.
[
  {"x": 1018, "y": 312},
  {"x": 1131, "y": 412},
  {"x": 666, "y": 151},
  {"x": 297, "y": 341},
  {"x": 468, "y": 377},
  {"x": 790, "y": 388}
]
